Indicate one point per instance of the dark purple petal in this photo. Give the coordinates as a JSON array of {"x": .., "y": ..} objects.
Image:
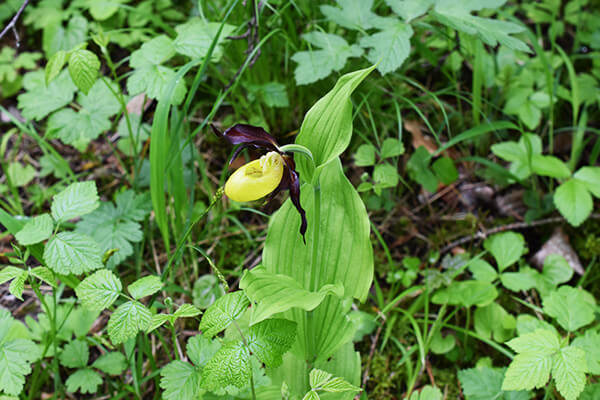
[{"x": 248, "y": 135}]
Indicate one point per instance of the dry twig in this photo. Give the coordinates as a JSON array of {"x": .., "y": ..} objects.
[{"x": 13, "y": 22}]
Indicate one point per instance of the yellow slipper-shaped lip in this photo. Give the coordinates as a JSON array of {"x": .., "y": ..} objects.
[{"x": 255, "y": 179}]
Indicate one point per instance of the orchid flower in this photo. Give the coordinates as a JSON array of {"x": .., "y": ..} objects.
[{"x": 271, "y": 173}]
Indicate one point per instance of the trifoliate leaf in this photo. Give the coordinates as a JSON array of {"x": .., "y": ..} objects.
[
  {"x": 180, "y": 381},
  {"x": 223, "y": 312},
  {"x": 84, "y": 380},
  {"x": 331, "y": 56},
  {"x": 35, "y": 230},
  {"x": 482, "y": 271},
  {"x": 573, "y": 308},
  {"x": 72, "y": 253},
  {"x": 457, "y": 15},
  {"x": 200, "y": 349},
  {"x": 484, "y": 383},
  {"x": 99, "y": 290},
  {"x": 75, "y": 354},
  {"x": 83, "y": 68},
  {"x": 531, "y": 367},
  {"x": 590, "y": 177},
  {"x": 117, "y": 227},
  {"x": 353, "y": 14},
  {"x": 77, "y": 199},
  {"x": 113, "y": 363},
  {"x": 40, "y": 100},
  {"x": 410, "y": 9},
  {"x": 229, "y": 366},
  {"x": 127, "y": 320},
  {"x": 507, "y": 248},
  {"x": 389, "y": 47},
  {"x": 270, "y": 339},
  {"x": 195, "y": 37},
  {"x": 145, "y": 286},
  {"x": 568, "y": 371}
]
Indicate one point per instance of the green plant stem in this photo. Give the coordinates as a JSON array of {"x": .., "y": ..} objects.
[{"x": 250, "y": 363}]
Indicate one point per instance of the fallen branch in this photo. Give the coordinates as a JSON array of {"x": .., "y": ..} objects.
[{"x": 13, "y": 22}]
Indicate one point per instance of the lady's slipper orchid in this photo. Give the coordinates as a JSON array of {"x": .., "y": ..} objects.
[{"x": 271, "y": 173}]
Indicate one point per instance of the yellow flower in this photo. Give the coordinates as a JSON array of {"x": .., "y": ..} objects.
[{"x": 256, "y": 179}]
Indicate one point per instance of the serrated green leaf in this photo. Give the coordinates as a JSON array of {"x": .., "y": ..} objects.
[
  {"x": 127, "y": 320},
  {"x": 117, "y": 227},
  {"x": 386, "y": 175},
  {"x": 75, "y": 200},
  {"x": 590, "y": 177},
  {"x": 590, "y": 344},
  {"x": 35, "y": 230},
  {"x": 84, "y": 380},
  {"x": 573, "y": 308},
  {"x": 40, "y": 100},
  {"x": 154, "y": 80},
  {"x": 223, "y": 312},
  {"x": 318, "y": 378},
  {"x": 365, "y": 155},
  {"x": 145, "y": 286},
  {"x": 55, "y": 65},
  {"x": 113, "y": 363},
  {"x": 275, "y": 293},
  {"x": 75, "y": 354},
  {"x": 154, "y": 52},
  {"x": 159, "y": 320},
  {"x": 270, "y": 339},
  {"x": 485, "y": 383},
  {"x": 388, "y": 47},
  {"x": 525, "y": 279},
  {"x": 506, "y": 247},
  {"x": 99, "y": 290},
  {"x": 200, "y": 349},
  {"x": 353, "y": 14},
  {"x": 573, "y": 201},
  {"x": 55, "y": 37},
  {"x": 17, "y": 285},
  {"x": 16, "y": 353},
  {"x": 186, "y": 311},
  {"x": 410, "y": 9},
  {"x": 9, "y": 273},
  {"x": 556, "y": 270},
  {"x": 331, "y": 56},
  {"x": 274, "y": 94},
  {"x": 311, "y": 396},
  {"x": 509, "y": 151},
  {"x": 457, "y": 15},
  {"x": 195, "y": 37},
  {"x": 180, "y": 381},
  {"x": 568, "y": 371},
  {"x": 339, "y": 385},
  {"x": 528, "y": 323},
  {"x": 72, "y": 253},
  {"x": 549, "y": 166},
  {"x": 104, "y": 9},
  {"x": 229, "y": 366},
  {"x": 83, "y": 68}
]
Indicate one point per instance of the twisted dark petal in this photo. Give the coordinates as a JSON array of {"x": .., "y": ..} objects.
[
  {"x": 249, "y": 135},
  {"x": 291, "y": 181}
]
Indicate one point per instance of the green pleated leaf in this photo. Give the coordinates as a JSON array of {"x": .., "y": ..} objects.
[
  {"x": 275, "y": 293},
  {"x": 229, "y": 366},
  {"x": 338, "y": 248},
  {"x": 99, "y": 290},
  {"x": 269, "y": 339},
  {"x": 72, "y": 253},
  {"x": 145, "y": 286},
  {"x": 83, "y": 68},
  {"x": 327, "y": 126},
  {"x": 127, "y": 320},
  {"x": 77, "y": 199}
]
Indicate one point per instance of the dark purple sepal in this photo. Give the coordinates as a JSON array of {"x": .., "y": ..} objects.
[
  {"x": 250, "y": 135},
  {"x": 291, "y": 182}
]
